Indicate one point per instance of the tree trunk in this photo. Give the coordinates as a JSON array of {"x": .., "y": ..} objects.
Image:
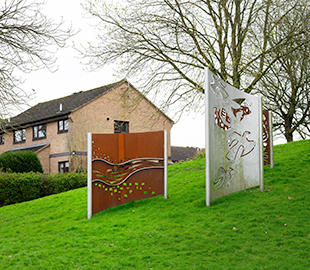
[
  {"x": 288, "y": 132},
  {"x": 289, "y": 137}
]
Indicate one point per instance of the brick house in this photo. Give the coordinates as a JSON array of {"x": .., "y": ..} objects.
[{"x": 57, "y": 130}]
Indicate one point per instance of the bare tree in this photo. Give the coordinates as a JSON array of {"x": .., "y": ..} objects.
[
  {"x": 170, "y": 42},
  {"x": 28, "y": 41},
  {"x": 286, "y": 86}
]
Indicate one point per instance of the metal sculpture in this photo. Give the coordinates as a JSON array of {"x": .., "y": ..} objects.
[
  {"x": 267, "y": 138},
  {"x": 125, "y": 167},
  {"x": 234, "y": 155}
]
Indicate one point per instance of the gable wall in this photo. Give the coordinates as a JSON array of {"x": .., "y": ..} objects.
[
  {"x": 58, "y": 145},
  {"x": 97, "y": 117},
  {"x": 44, "y": 155},
  {"x": 118, "y": 104}
]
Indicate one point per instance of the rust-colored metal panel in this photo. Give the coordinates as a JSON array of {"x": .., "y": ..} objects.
[
  {"x": 126, "y": 167},
  {"x": 142, "y": 185},
  {"x": 105, "y": 147},
  {"x": 266, "y": 137},
  {"x": 147, "y": 144}
]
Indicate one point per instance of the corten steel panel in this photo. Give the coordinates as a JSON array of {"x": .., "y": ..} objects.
[
  {"x": 142, "y": 185},
  {"x": 266, "y": 137},
  {"x": 117, "y": 147},
  {"x": 148, "y": 144},
  {"x": 105, "y": 146},
  {"x": 115, "y": 174},
  {"x": 126, "y": 167}
]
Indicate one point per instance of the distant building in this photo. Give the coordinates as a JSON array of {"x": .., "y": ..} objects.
[
  {"x": 57, "y": 130},
  {"x": 183, "y": 153}
]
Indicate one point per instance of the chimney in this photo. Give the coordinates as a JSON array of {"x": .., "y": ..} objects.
[{"x": 60, "y": 107}]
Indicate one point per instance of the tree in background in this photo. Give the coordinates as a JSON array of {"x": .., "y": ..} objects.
[
  {"x": 28, "y": 40},
  {"x": 286, "y": 86},
  {"x": 168, "y": 43}
]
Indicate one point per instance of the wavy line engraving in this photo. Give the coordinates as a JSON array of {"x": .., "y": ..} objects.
[{"x": 116, "y": 174}]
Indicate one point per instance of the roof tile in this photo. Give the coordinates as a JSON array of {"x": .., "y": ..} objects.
[{"x": 51, "y": 109}]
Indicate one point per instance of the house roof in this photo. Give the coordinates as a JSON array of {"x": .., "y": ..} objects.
[{"x": 52, "y": 109}]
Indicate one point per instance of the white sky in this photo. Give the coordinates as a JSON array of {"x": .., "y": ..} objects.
[{"x": 70, "y": 76}]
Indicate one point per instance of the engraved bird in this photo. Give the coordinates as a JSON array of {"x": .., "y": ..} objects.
[{"x": 222, "y": 177}]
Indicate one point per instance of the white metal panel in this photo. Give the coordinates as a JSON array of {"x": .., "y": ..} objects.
[{"x": 233, "y": 139}]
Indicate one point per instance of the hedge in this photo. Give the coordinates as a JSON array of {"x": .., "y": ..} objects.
[
  {"x": 20, "y": 187},
  {"x": 20, "y": 162}
]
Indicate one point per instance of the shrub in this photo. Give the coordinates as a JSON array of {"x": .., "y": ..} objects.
[
  {"x": 20, "y": 187},
  {"x": 20, "y": 162},
  {"x": 57, "y": 183},
  {"x": 201, "y": 154}
]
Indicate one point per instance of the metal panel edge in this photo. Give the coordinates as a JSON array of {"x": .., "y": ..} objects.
[
  {"x": 271, "y": 140},
  {"x": 89, "y": 175},
  {"x": 165, "y": 164},
  {"x": 207, "y": 137},
  {"x": 261, "y": 160}
]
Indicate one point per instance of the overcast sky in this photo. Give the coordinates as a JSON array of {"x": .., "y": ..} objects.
[{"x": 71, "y": 76}]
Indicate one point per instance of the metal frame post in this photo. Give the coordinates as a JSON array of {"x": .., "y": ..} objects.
[
  {"x": 165, "y": 164},
  {"x": 207, "y": 137},
  {"x": 89, "y": 175}
]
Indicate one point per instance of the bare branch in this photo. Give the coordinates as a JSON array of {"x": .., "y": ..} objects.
[
  {"x": 28, "y": 41},
  {"x": 168, "y": 43}
]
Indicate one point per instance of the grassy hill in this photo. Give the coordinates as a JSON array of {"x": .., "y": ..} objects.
[{"x": 246, "y": 230}]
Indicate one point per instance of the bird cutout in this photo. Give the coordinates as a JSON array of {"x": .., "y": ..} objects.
[
  {"x": 221, "y": 118},
  {"x": 244, "y": 111},
  {"x": 222, "y": 177},
  {"x": 218, "y": 87},
  {"x": 239, "y": 145}
]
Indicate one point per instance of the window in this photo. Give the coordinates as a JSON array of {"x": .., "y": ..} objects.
[
  {"x": 20, "y": 136},
  {"x": 63, "y": 126},
  {"x": 121, "y": 127},
  {"x": 63, "y": 166},
  {"x": 1, "y": 138},
  {"x": 39, "y": 132}
]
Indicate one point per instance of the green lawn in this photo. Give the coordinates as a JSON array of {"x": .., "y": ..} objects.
[{"x": 246, "y": 230}]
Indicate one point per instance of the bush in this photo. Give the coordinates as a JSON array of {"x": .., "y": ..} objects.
[
  {"x": 20, "y": 162},
  {"x": 20, "y": 187},
  {"x": 201, "y": 154},
  {"x": 52, "y": 184}
]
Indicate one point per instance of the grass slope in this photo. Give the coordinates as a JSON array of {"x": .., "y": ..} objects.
[{"x": 246, "y": 230}]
